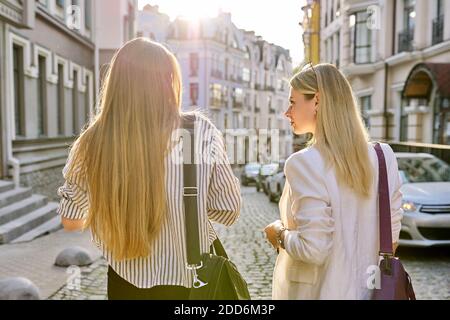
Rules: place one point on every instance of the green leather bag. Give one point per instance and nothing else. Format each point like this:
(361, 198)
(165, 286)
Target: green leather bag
(215, 276)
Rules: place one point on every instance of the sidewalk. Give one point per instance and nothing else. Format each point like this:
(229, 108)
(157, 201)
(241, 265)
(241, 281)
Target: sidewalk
(35, 260)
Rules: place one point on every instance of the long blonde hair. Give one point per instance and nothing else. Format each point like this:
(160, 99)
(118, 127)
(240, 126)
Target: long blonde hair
(123, 149)
(341, 136)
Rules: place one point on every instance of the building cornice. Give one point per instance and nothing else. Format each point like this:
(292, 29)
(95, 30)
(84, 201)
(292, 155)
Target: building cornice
(362, 69)
(61, 26)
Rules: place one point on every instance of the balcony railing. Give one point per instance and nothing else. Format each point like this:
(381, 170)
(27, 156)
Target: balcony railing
(258, 86)
(216, 102)
(257, 110)
(405, 40)
(237, 104)
(438, 30)
(269, 88)
(272, 110)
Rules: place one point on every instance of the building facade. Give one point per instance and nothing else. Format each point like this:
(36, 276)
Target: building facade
(396, 54)
(47, 70)
(311, 31)
(237, 78)
(50, 54)
(116, 23)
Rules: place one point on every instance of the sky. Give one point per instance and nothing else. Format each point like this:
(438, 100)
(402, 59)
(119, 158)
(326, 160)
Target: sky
(276, 21)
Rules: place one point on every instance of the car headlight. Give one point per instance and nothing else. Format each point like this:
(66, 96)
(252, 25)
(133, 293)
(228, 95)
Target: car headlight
(409, 206)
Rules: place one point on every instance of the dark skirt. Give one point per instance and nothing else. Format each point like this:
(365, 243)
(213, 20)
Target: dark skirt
(120, 289)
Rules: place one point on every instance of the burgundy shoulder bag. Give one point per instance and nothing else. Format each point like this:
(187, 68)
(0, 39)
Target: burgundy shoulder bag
(395, 281)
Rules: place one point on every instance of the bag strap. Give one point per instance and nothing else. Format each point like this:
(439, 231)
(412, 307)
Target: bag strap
(384, 205)
(190, 194)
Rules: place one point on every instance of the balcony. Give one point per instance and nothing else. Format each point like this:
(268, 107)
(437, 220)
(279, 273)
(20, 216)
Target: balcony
(258, 86)
(405, 40)
(438, 30)
(237, 104)
(257, 110)
(272, 110)
(218, 103)
(269, 88)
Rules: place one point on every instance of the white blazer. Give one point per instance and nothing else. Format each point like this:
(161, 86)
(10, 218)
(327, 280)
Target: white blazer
(333, 235)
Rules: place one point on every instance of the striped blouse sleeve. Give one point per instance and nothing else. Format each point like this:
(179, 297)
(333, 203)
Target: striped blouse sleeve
(74, 202)
(224, 195)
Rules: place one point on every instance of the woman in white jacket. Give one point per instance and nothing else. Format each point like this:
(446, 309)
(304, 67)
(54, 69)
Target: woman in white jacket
(327, 236)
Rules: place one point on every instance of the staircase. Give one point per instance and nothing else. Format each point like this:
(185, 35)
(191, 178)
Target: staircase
(25, 216)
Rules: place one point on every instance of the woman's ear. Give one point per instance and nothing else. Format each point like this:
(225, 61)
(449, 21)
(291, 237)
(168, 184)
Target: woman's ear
(317, 98)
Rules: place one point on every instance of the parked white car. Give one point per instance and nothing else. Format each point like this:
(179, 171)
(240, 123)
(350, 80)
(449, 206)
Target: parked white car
(276, 186)
(426, 200)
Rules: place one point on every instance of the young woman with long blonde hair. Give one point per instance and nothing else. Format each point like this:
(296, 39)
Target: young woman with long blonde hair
(327, 236)
(124, 183)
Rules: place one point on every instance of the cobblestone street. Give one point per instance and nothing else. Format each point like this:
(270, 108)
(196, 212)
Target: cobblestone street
(247, 247)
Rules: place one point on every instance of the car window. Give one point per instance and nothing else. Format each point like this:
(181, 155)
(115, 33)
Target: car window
(423, 170)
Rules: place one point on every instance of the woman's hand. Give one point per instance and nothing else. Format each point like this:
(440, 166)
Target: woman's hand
(271, 233)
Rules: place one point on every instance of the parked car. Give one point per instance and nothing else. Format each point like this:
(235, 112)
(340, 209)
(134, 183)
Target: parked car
(250, 173)
(276, 186)
(264, 172)
(426, 200)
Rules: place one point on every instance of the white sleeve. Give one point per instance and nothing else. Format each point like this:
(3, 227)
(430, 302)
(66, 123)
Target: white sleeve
(311, 241)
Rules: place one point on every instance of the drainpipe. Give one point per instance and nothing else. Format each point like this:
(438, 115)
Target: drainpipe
(386, 73)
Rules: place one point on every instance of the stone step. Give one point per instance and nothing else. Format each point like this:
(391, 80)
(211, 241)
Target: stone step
(6, 186)
(14, 195)
(50, 226)
(24, 224)
(20, 208)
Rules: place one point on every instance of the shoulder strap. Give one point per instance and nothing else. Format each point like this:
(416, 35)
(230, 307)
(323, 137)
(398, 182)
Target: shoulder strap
(384, 205)
(190, 194)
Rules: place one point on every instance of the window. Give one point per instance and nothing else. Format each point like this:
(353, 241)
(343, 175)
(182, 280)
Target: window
(217, 93)
(75, 104)
(60, 100)
(87, 14)
(18, 90)
(236, 124)
(60, 3)
(280, 85)
(332, 11)
(193, 58)
(366, 105)
(87, 102)
(238, 97)
(42, 97)
(338, 49)
(246, 74)
(406, 36)
(438, 24)
(440, 8)
(409, 14)
(194, 93)
(362, 39)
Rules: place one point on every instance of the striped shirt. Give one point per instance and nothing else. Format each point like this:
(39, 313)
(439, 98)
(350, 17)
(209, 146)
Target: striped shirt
(219, 201)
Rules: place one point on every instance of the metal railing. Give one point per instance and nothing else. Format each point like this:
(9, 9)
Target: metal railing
(438, 150)
(405, 40)
(438, 30)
